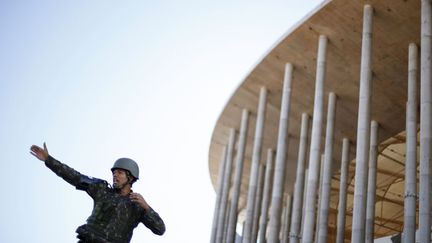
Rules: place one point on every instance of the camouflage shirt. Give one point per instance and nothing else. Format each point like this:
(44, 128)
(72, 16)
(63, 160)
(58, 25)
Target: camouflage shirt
(114, 216)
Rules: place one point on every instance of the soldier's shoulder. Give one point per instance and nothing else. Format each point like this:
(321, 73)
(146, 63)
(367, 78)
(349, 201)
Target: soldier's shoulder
(101, 183)
(87, 182)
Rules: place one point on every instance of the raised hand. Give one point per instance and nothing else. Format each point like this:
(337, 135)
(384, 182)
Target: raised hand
(38, 152)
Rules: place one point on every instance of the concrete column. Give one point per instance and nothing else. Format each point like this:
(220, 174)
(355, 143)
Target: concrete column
(425, 123)
(320, 175)
(218, 194)
(283, 223)
(279, 176)
(256, 156)
(371, 191)
(296, 218)
(363, 130)
(327, 171)
(340, 234)
(314, 156)
(411, 148)
(225, 226)
(266, 197)
(287, 220)
(225, 189)
(232, 222)
(258, 200)
(304, 200)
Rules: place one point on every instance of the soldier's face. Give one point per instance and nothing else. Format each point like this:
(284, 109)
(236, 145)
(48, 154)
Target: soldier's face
(119, 178)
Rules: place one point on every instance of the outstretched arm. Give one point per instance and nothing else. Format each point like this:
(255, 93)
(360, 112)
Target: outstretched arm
(81, 182)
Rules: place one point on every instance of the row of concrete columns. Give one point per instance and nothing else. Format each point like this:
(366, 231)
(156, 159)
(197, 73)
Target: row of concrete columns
(266, 190)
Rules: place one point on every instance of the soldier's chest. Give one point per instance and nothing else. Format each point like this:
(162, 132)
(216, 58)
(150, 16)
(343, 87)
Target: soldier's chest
(112, 206)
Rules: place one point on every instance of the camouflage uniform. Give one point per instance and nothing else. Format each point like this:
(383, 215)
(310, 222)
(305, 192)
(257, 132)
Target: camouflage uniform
(114, 216)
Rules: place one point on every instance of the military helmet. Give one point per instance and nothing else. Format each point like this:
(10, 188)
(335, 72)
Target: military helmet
(127, 164)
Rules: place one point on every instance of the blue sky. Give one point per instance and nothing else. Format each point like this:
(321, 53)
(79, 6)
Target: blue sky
(99, 80)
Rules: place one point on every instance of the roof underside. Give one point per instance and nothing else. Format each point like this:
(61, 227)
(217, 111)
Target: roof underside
(396, 24)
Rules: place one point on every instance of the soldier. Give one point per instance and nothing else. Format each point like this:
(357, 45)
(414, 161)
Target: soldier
(117, 210)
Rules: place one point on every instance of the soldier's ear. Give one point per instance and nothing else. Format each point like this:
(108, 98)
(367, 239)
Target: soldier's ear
(131, 179)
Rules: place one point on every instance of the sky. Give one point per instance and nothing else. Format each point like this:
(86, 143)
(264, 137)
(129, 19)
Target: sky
(99, 80)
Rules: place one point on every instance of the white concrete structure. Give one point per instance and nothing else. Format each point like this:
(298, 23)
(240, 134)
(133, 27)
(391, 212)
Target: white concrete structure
(369, 86)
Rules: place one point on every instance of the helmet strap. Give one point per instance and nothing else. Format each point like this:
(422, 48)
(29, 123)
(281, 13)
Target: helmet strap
(131, 179)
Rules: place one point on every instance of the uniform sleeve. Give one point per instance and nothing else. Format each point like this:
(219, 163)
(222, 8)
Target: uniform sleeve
(73, 177)
(152, 221)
